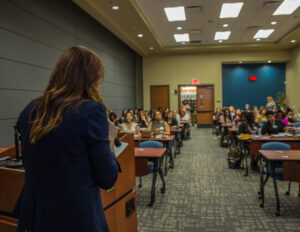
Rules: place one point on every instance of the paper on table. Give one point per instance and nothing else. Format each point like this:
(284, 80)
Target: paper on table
(120, 149)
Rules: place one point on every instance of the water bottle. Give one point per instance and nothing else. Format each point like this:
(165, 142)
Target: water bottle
(233, 124)
(259, 131)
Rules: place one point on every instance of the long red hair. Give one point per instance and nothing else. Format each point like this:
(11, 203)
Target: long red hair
(75, 79)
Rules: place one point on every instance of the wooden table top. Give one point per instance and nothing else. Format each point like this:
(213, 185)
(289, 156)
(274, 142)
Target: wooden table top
(149, 152)
(275, 139)
(286, 155)
(169, 138)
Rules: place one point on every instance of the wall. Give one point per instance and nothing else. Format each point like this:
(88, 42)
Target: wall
(238, 90)
(293, 80)
(33, 34)
(182, 68)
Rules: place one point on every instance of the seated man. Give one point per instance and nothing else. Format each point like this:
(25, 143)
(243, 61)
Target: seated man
(273, 126)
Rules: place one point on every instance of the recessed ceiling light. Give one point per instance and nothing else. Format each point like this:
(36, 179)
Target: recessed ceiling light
(269, 61)
(222, 35)
(231, 10)
(293, 41)
(140, 35)
(175, 13)
(182, 37)
(115, 7)
(274, 22)
(225, 25)
(240, 62)
(220, 41)
(258, 39)
(151, 48)
(179, 28)
(287, 7)
(263, 33)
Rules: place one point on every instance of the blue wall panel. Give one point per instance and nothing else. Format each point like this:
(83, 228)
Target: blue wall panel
(238, 90)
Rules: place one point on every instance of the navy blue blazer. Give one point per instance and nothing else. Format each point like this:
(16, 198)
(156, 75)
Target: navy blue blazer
(64, 171)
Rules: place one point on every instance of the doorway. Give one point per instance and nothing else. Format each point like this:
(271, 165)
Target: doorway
(159, 96)
(205, 105)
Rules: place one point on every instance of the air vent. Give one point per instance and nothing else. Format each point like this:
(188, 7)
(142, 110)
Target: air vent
(195, 41)
(195, 31)
(193, 9)
(253, 28)
(270, 4)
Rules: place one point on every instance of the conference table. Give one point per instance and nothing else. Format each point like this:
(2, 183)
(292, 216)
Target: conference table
(142, 155)
(166, 140)
(291, 170)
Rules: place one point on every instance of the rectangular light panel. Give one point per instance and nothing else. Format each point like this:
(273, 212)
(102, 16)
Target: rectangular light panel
(287, 7)
(231, 10)
(222, 35)
(182, 37)
(175, 13)
(262, 34)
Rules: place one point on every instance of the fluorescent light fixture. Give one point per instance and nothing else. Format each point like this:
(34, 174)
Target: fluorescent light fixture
(175, 13)
(287, 7)
(222, 35)
(258, 39)
(225, 25)
(274, 22)
(269, 61)
(220, 41)
(182, 37)
(115, 7)
(231, 10)
(140, 35)
(151, 48)
(179, 28)
(293, 41)
(263, 33)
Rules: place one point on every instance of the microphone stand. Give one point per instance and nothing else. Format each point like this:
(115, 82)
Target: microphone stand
(16, 161)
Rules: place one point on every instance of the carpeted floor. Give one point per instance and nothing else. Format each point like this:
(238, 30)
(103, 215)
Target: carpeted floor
(203, 194)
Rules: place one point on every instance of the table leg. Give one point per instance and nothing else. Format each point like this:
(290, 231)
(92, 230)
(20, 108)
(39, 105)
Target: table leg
(154, 182)
(166, 163)
(276, 191)
(170, 154)
(163, 189)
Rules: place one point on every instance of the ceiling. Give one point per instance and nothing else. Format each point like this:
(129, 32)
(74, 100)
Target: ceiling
(147, 17)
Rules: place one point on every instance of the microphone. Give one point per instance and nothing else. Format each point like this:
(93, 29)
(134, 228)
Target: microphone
(117, 142)
(16, 161)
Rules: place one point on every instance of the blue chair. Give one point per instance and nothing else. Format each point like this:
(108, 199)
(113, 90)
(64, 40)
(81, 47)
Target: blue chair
(273, 170)
(297, 124)
(150, 144)
(297, 132)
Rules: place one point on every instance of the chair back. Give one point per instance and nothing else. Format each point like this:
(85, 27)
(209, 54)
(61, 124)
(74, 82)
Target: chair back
(151, 144)
(297, 132)
(275, 146)
(297, 124)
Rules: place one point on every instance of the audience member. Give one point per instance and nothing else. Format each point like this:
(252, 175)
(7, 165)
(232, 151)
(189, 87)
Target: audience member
(273, 126)
(271, 105)
(130, 126)
(158, 125)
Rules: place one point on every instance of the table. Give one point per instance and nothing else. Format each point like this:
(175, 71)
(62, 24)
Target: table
(166, 142)
(156, 154)
(290, 160)
(257, 141)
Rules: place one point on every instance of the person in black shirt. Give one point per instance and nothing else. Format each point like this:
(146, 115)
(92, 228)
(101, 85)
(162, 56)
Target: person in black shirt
(171, 120)
(273, 126)
(114, 119)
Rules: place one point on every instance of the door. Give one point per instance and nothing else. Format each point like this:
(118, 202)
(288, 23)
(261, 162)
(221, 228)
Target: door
(205, 105)
(159, 96)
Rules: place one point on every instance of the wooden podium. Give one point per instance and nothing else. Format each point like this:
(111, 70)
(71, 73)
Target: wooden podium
(119, 203)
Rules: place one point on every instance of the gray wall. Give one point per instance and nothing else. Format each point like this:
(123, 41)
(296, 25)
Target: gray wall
(33, 34)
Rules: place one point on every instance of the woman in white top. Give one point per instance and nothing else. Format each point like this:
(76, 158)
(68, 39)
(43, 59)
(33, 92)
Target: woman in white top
(185, 107)
(130, 126)
(271, 104)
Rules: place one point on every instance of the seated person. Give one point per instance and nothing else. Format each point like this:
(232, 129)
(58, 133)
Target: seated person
(237, 116)
(158, 126)
(280, 116)
(176, 116)
(225, 119)
(142, 121)
(248, 126)
(172, 122)
(243, 118)
(130, 126)
(273, 126)
(290, 116)
(114, 119)
(262, 116)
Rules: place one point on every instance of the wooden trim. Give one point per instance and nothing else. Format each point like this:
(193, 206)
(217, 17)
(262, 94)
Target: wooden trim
(199, 85)
(160, 86)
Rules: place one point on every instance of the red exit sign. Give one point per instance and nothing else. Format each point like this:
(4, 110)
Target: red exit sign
(253, 78)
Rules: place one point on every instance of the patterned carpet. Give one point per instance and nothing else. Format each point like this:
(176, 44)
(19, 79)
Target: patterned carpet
(204, 195)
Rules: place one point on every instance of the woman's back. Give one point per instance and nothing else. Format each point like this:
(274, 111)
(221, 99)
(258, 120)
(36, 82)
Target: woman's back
(64, 170)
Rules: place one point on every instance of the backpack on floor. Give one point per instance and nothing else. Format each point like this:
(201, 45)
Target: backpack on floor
(234, 156)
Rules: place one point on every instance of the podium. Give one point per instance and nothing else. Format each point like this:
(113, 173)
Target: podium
(119, 202)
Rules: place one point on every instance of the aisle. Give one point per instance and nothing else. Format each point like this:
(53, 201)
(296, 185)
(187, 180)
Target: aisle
(203, 194)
